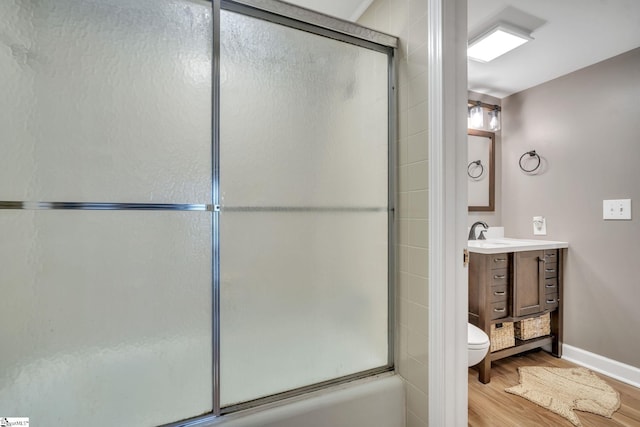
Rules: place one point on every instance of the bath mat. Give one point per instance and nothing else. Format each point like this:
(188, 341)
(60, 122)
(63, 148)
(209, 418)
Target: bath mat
(561, 390)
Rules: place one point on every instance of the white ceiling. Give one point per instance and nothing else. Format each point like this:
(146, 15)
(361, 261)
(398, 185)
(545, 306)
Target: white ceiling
(568, 35)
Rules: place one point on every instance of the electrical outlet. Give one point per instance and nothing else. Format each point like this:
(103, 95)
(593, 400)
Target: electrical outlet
(539, 226)
(619, 209)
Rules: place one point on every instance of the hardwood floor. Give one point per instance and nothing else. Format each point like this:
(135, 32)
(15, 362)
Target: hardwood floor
(491, 406)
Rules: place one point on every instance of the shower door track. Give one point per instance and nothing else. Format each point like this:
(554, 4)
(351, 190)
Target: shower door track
(313, 22)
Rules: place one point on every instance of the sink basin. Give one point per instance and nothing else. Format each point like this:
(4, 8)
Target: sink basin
(493, 246)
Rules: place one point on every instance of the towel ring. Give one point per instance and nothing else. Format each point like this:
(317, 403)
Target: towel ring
(478, 163)
(531, 153)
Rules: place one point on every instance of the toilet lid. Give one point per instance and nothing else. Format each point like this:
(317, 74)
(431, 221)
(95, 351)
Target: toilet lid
(476, 336)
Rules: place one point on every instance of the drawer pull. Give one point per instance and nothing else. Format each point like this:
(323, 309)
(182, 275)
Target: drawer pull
(499, 259)
(549, 270)
(550, 255)
(500, 310)
(499, 276)
(550, 285)
(550, 301)
(499, 293)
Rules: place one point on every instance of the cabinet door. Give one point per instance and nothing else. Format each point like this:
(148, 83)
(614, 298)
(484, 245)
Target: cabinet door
(528, 283)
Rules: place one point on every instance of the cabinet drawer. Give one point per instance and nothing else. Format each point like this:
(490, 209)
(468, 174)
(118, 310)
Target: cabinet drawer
(499, 276)
(551, 255)
(551, 286)
(550, 270)
(551, 301)
(499, 310)
(498, 293)
(499, 261)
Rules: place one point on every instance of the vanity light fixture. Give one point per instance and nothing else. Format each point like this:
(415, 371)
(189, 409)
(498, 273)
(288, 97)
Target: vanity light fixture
(494, 119)
(476, 111)
(495, 42)
(476, 116)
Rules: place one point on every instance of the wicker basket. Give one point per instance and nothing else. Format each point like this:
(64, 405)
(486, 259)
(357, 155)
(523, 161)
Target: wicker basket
(502, 336)
(534, 327)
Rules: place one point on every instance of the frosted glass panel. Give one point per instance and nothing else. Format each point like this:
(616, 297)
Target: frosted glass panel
(304, 299)
(106, 100)
(104, 316)
(304, 118)
(304, 257)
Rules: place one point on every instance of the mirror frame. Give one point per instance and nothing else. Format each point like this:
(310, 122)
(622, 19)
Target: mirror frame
(492, 180)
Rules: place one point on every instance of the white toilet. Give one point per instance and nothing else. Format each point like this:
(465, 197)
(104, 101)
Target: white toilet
(477, 344)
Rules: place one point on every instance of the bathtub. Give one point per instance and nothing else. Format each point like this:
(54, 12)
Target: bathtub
(375, 402)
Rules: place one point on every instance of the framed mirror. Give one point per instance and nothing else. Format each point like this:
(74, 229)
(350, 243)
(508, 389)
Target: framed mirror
(481, 170)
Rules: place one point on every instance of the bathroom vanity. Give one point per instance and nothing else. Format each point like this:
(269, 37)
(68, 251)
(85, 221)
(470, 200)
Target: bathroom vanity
(512, 280)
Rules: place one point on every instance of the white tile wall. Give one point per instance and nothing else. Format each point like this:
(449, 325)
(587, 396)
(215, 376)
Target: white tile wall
(407, 19)
(417, 116)
(417, 147)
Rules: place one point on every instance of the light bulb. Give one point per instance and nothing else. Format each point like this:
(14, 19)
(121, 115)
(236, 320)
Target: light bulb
(476, 115)
(494, 120)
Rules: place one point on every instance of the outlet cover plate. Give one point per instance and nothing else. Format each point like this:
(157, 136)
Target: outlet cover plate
(539, 226)
(619, 209)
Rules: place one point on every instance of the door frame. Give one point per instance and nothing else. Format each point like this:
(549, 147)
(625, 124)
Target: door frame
(448, 277)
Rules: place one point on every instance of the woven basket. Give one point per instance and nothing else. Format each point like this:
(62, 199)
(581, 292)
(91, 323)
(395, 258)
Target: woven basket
(534, 327)
(502, 336)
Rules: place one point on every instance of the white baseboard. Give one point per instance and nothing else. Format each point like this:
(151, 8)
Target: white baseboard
(609, 367)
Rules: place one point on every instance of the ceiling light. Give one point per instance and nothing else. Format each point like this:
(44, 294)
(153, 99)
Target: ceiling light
(499, 40)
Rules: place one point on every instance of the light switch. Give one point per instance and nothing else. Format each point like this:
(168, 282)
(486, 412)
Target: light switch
(619, 209)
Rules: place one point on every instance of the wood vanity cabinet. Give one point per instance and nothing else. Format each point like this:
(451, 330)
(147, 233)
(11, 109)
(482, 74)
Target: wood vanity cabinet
(535, 282)
(513, 286)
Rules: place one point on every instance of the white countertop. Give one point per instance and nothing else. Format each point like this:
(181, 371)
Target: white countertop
(504, 244)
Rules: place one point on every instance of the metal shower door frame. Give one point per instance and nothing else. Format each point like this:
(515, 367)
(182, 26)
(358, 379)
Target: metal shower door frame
(326, 26)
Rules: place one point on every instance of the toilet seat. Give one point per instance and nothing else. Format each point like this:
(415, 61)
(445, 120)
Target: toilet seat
(477, 344)
(476, 338)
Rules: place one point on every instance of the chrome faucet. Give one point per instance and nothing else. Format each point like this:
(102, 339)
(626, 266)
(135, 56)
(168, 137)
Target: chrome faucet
(472, 232)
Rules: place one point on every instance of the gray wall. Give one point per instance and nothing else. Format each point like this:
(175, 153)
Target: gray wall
(586, 126)
(493, 219)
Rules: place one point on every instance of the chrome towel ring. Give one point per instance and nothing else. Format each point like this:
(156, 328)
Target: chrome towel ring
(531, 153)
(470, 168)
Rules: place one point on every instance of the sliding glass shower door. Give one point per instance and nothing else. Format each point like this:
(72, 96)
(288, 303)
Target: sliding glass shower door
(105, 230)
(155, 268)
(304, 232)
